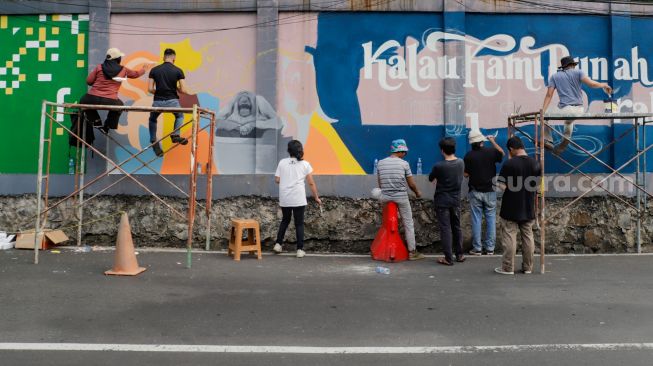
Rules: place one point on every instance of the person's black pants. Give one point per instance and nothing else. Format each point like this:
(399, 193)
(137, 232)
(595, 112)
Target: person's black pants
(450, 232)
(298, 214)
(92, 115)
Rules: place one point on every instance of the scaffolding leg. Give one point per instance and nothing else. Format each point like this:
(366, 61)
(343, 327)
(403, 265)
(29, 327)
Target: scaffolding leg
(193, 183)
(645, 198)
(209, 182)
(638, 182)
(39, 183)
(542, 194)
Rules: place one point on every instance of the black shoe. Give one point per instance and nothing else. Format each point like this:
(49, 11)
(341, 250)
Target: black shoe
(157, 149)
(97, 123)
(104, 129)
(180, 140)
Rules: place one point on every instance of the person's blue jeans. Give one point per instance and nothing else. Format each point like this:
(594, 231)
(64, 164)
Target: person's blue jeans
(483, 204)
(170, 103)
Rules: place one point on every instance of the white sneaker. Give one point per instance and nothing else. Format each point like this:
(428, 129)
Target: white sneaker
(277, 248)
(300, 253)
(500, 270)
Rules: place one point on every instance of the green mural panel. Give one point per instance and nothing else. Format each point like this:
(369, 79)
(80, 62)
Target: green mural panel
(41, 58)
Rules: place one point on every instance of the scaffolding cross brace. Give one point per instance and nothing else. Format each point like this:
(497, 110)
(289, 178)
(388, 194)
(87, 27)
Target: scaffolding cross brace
(43, 180)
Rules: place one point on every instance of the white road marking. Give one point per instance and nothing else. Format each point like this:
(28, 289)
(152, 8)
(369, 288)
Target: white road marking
(348, 255)
(182, 348)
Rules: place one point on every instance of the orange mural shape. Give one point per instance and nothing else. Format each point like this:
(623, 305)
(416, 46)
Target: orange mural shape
(320, 154)
(135, 89)
(177, 160)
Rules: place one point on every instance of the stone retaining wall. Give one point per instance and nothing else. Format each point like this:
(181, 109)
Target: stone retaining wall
(593, 225)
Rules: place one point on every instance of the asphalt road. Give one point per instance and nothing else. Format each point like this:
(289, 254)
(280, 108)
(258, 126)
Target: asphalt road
(322, 304)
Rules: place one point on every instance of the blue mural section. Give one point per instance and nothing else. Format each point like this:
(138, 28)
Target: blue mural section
(339, 58)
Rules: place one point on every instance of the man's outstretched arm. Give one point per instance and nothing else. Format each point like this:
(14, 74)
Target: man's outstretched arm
(595, 84)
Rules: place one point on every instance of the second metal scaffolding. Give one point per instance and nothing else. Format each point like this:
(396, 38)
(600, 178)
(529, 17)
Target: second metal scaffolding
(540, 121)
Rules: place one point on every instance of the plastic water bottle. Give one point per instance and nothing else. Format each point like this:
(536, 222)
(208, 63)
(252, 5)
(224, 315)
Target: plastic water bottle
(71, 166)
(382, 270)
(376, 166)
(419, 166)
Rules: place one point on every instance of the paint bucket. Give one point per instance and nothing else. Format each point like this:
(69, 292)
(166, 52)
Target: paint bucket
(609, 105)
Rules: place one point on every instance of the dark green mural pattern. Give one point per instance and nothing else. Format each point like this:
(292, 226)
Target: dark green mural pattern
(42, 57)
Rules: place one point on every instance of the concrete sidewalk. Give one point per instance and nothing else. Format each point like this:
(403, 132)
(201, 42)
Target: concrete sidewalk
(325, 301)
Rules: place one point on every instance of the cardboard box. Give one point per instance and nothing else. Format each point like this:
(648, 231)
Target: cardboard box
(25, 240)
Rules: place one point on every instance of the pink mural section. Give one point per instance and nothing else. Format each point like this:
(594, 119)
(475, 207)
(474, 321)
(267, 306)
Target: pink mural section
(218, 64)
(498, 86)
(389, 94)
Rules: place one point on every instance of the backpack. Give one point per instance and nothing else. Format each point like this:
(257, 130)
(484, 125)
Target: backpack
(84, 130)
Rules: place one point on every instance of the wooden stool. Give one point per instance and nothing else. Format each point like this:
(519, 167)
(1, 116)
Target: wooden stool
(253, 242)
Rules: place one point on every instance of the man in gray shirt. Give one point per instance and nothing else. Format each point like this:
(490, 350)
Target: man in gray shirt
(567, 81)
(394, 177)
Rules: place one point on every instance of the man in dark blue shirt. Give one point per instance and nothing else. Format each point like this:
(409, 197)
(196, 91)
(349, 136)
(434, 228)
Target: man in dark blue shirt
(448, 176)
(519, 177)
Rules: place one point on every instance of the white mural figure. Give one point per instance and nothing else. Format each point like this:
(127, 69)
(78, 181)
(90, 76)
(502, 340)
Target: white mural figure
(248, 132)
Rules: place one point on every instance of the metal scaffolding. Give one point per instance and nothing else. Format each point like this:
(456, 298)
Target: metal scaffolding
(49, 112)
(539, 121)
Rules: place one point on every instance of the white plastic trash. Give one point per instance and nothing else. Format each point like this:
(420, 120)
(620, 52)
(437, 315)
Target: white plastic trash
(6, 241)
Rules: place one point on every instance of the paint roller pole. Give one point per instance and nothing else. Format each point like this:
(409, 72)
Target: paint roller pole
(82, 166)
(39, 183)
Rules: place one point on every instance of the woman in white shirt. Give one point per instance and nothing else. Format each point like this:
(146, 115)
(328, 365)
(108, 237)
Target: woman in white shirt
(290, 176)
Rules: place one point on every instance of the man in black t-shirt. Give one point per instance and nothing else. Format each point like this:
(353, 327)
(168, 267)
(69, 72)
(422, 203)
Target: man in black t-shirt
(448, 176)
(164, 82)
(519, 177)
(480, 167)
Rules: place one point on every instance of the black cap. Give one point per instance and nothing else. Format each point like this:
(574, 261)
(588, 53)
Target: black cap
(566, 61)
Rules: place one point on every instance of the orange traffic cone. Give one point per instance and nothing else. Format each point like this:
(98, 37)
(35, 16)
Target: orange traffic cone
(125, 263)
(387, 245)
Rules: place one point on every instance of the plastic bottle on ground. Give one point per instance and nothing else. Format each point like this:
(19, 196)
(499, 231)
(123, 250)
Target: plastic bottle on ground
(376, 164)
(382, 270)
(419, 166)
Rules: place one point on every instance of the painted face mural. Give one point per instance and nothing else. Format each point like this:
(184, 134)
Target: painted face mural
(349, 83)
(247, 115)
(248, 134)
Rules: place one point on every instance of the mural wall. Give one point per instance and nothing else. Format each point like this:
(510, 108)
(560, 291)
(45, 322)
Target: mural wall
(41, 57)
(348, 83)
